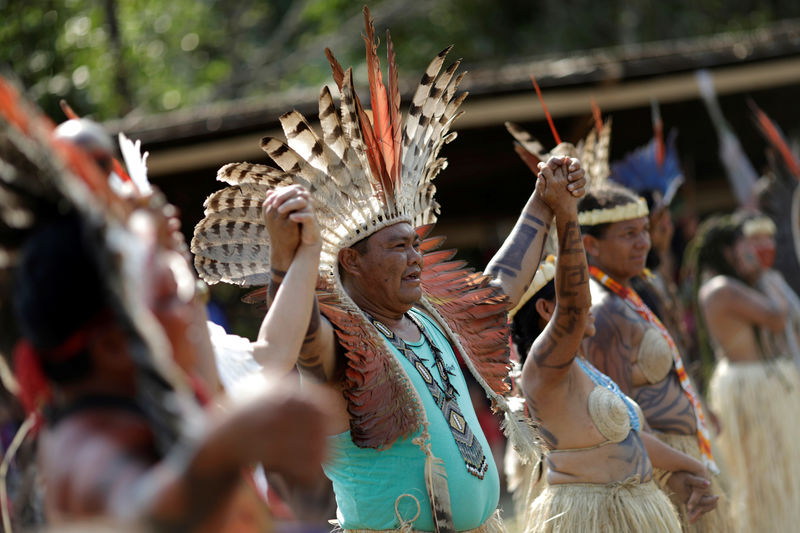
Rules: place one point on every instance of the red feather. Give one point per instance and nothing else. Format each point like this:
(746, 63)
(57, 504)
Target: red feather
(119, 170)
(546, 112)
(376, 163)
(531, 160)
(380, 405)
(377, 91)
(443, 267)
(382, 135)
(12, 109)
(431, 244)
(773, 135)
(598, 118)
(34, 388)
(338, 72)
(475, 310)
(424, 230)
(68, 111)
(394, 108)
(374, 156)
(658, 135)
(437, 257)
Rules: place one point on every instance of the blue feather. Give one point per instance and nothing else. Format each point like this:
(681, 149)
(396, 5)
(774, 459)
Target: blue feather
(640, 172)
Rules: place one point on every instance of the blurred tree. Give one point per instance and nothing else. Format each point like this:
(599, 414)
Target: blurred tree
(109, 58)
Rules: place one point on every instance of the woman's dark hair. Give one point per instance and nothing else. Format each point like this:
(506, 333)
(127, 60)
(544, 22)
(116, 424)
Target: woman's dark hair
(706, 252)
(57, 290)
(525, 326)
(606, 196)
(718, 235)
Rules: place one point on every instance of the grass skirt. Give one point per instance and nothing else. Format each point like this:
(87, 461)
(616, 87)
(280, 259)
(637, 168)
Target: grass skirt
(757, 405)
(716, 521)
(524, 481)
(627, 507)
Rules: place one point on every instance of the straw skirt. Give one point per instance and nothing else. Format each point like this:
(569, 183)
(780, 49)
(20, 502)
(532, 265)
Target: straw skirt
(627, 507)
(757, 405)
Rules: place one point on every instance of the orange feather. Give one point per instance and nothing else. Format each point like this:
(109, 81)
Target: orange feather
(67, 110)
(531, 160)
(336, 67)
(598, 118)
(394, 108)
(546, 112)
(773, 135)
(381, 119)
(658, 134)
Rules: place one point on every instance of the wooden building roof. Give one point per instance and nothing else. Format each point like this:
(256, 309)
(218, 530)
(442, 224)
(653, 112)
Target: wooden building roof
(485, 185)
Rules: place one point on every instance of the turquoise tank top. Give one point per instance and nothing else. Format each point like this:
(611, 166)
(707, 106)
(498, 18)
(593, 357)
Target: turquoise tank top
(368, 482)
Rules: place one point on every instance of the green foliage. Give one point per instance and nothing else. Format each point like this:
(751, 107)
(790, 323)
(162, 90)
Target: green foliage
(113, 57)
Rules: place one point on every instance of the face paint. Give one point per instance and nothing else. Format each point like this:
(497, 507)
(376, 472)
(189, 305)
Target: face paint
(766, 256)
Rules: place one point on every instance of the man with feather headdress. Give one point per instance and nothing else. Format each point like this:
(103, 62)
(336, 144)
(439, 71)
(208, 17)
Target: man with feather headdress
(394, 314)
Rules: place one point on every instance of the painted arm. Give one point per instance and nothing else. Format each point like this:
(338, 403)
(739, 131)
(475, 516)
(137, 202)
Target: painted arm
(514, 265)
(553, 351)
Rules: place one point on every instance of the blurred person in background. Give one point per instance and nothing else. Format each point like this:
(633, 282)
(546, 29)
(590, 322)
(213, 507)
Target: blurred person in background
(631, 345)
(754, 390)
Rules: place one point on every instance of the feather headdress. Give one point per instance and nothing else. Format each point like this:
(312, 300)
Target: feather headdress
(652, 167)
(594, 155)
(363, 175)
(593, 151)
(779, 196)
(43, 178)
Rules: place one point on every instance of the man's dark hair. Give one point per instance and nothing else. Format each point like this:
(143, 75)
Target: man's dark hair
(525, 326)
(607, 196)
(361, 246)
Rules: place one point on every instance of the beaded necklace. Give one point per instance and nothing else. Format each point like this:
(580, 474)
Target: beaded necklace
(444, 395)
